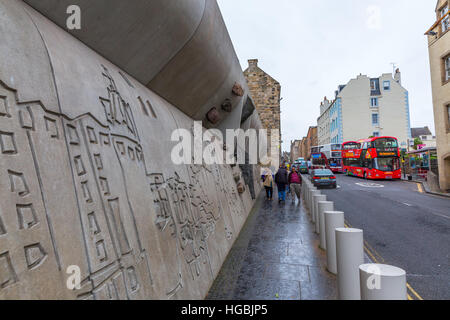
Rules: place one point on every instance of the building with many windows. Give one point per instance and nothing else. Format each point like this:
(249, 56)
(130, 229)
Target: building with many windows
(323, 122)
(367, 107)
(439, 51)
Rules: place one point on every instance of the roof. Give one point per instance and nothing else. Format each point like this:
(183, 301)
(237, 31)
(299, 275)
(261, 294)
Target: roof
(417, 132)
(427, 149)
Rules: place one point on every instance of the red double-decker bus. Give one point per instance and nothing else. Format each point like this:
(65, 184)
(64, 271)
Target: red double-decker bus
(318, 158)
(373, 158)
(350, 156)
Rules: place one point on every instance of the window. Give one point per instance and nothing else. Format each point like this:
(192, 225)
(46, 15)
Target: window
(374, 84)
(375, 118)
(448, 116)
(387, 85)
(376, 134)
(445, 24)
(374, 102)
(447, 68)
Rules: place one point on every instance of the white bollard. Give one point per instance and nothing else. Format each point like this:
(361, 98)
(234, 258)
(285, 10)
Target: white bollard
(322, 207)
(349, 256)
(333, 220)
(382, 282)
(310, 190)
(316, 200)
(306, 195)
(311, 210)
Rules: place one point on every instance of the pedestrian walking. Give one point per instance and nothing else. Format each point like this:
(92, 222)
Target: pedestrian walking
(268, 185)
(295, 183)
(281, 179)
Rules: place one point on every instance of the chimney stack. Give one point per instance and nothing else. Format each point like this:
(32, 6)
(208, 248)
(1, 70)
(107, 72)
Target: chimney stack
(253, 63)
(398, 76)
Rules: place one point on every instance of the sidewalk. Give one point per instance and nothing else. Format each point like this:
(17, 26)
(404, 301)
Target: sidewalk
(276, 257)
(426, 187)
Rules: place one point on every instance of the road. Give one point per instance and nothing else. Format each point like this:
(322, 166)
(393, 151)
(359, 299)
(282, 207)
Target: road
(403, 227)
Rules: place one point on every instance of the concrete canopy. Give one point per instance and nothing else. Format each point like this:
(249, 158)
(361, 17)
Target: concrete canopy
(179, 49)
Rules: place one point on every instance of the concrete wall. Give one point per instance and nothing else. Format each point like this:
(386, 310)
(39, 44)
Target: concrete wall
(154, 40)
(86, 177)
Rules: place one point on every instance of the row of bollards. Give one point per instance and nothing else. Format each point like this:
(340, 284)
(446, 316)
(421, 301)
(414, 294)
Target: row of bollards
(345, 253)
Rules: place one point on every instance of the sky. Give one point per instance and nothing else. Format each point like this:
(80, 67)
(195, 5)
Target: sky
(311, 47)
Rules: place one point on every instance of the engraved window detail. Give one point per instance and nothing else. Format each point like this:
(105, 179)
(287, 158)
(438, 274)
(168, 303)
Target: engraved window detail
(93, 224)
(147, 108)
(18, 183)
(114, 214)
(2, 226)
(144, 108)
(139, 154)
(86, 192)
(131, 153)
(52, 127)
(4, 110)
(132, 279)
(7, 274)
(121, 147)
(26, 216)
(104, 138)
(7, 143)
(79, 166)
(74, 138)
(150, 107)
(35, 255)
(101, 250)
(91, 135)
(104, 186)
(26, 119)
(98, 161)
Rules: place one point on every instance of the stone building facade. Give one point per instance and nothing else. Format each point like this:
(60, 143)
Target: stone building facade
(296, 149)
(266, 94)
(439, 51)
(311, 140)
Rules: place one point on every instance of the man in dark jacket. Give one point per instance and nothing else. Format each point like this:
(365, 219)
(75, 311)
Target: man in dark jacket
(281, 179)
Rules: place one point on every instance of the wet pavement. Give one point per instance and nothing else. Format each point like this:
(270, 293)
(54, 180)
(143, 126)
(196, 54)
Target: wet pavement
(276, 257)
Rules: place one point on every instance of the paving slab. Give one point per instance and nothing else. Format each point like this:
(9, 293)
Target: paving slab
(276, 257)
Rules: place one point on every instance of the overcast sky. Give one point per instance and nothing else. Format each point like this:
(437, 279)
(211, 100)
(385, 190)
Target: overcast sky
(311, 47)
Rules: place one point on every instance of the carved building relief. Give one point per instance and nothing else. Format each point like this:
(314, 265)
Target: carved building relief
(100, 171)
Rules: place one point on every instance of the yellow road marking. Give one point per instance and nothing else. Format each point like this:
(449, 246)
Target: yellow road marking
(413, 291)
(372, 256)
(420, 188)
(374, 251)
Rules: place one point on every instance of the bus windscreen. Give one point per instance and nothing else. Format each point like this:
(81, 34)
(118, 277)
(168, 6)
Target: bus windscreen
(385, 143)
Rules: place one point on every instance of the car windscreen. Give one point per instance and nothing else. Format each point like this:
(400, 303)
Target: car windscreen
(324, 172)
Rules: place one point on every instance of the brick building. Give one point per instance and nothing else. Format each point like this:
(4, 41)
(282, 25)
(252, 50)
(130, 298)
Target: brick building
(266, 94)
(311, 140)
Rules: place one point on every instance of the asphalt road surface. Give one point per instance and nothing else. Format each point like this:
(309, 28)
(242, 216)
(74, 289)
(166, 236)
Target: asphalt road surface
(403, 227)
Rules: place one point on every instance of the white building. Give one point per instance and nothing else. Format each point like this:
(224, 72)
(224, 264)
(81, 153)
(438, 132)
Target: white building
(368, 107)
(425, 135)
(323, 123)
